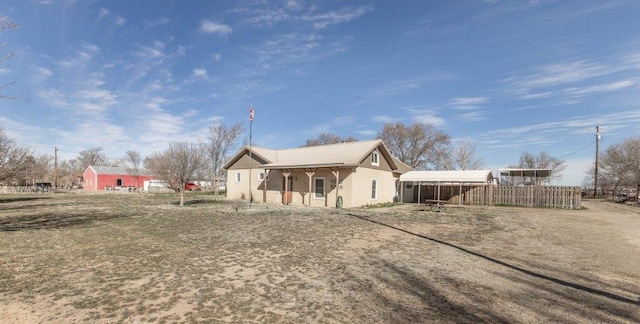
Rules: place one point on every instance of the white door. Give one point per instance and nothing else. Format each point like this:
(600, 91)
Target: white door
(407, 192)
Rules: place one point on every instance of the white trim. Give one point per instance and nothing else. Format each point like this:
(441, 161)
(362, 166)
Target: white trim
(324, 184)
(374, 190)
(375, 158)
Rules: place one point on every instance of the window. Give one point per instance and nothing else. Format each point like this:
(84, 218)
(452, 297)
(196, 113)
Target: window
(318, 188)
(238, 177)
(261, 176)
(374, 189)
(375, 159)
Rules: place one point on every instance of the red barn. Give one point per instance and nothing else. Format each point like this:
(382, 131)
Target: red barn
(102, 177)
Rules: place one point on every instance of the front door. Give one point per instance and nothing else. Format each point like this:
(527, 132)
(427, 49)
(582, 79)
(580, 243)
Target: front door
(287, 196)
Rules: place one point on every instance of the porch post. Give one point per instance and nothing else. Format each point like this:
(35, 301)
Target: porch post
(264, 188)
(336, 173)
(285, 196)
(310, 173)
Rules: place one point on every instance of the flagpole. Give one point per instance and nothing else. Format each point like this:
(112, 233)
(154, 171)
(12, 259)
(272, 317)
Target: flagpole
(251, 115)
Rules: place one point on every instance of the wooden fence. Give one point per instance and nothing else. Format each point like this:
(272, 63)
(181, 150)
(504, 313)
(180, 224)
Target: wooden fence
(528, 196)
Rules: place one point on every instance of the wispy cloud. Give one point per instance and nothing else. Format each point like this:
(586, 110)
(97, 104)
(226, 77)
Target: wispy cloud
(426, 116)
(322, 20)
(473, 116)
(103, 12)
(560, 74)
(158, 22)
(295, 13)
(333, 124)
(120, 21)
(468, 101)
(600, 88)
(201, 73)
(212, 27)
(383, 119)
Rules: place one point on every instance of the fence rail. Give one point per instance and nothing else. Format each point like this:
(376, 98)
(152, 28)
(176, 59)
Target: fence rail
(527, 196)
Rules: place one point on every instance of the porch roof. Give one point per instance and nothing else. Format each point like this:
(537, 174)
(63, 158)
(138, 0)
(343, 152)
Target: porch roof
(452, 176)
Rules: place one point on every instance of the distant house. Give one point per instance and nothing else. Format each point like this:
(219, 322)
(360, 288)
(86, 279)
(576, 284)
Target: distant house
(354, 173)
(103, 177)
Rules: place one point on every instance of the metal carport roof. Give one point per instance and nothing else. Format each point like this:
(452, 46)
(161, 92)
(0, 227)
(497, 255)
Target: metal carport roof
(450, 176)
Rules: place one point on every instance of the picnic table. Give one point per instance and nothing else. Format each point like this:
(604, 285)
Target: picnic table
(439, 204)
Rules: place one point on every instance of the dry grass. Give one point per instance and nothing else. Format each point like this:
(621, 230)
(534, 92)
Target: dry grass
(141, 258)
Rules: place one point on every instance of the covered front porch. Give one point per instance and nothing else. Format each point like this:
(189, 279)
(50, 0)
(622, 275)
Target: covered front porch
(312, 186)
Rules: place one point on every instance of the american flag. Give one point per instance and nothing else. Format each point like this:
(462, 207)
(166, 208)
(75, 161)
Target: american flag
(252, 114)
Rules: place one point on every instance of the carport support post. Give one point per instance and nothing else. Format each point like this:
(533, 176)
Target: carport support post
(419, 185)
(310, 174)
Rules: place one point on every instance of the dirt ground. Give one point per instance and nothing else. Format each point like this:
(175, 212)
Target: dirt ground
(140, 258)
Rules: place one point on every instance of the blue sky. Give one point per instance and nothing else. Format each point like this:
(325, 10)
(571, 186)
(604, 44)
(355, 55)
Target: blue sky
(512, 76)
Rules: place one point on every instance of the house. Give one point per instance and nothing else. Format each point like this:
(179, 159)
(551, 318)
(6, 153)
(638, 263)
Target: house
(103, 177)
(349, 174)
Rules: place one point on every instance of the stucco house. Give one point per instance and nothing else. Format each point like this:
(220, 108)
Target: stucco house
(356, 173)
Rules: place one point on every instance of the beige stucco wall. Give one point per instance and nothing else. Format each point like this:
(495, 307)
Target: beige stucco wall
(361, 187)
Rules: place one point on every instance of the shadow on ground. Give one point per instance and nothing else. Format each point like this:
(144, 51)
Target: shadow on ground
(20, 199)
(55, 220)
(572, 294)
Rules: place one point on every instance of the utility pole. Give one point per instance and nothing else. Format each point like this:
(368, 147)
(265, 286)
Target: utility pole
(595, 179)
(595, 170)
(55, 167)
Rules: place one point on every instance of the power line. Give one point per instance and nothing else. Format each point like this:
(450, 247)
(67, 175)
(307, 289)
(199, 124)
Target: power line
(581, 149)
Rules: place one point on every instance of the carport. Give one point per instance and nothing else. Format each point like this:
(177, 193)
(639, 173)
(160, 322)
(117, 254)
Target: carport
(437, 178)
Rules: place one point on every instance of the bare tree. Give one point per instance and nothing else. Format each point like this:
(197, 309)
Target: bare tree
(43, 167)
(13, 158)
(420, 146)
(68, 172)
(463, 156)
(620, 164)
(326, 138)
(542, 161)
(222, 139)
(6, 24)
(177, 166)
(92, 156)
(132, 162)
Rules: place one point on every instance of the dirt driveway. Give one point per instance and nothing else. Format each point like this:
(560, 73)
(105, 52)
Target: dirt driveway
(141, 258)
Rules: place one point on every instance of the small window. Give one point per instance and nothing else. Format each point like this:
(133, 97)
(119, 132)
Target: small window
(238, 177)
(318, 188)
(375, 160)
(261, 176)
(374, 189)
